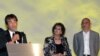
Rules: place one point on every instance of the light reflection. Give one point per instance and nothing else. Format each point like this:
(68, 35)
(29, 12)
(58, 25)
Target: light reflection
(36, 49)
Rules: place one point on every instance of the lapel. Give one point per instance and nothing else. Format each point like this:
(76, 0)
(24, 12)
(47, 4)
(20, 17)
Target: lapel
(8, 37)
(81, 40)
(90, 39)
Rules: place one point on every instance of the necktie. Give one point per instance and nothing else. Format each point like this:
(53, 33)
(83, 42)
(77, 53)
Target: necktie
(13, 35)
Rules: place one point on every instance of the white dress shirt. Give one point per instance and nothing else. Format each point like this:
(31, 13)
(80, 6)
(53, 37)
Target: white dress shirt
(86, 36)
(11, 33)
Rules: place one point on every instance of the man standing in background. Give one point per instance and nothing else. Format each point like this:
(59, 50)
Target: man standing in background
(86, 42)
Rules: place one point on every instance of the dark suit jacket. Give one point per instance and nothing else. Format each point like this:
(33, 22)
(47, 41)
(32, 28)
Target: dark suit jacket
(21, 34)
(2, 32)
(2, 43)
(6, 38)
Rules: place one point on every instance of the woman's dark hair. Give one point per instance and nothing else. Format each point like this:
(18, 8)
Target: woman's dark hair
(10, 16)
(62, 28)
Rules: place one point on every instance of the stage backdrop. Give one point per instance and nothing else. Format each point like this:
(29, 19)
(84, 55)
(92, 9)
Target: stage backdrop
(36, 17)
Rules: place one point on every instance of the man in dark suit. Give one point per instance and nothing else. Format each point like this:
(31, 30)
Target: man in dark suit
(11, 35)
(1, 38)
(2, 43)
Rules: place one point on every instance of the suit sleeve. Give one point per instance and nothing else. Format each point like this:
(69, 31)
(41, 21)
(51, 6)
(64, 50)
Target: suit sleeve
(97, 44)
(75, 44)
(2, 38)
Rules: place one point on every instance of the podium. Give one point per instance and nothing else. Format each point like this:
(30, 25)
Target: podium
(20, 49)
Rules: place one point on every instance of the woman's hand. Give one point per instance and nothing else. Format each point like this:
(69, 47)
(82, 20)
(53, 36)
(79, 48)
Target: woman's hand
(59, 54)
(54, 54)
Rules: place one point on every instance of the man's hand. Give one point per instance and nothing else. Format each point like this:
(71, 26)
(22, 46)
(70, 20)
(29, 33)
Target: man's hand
(11, 42)
(15, 37)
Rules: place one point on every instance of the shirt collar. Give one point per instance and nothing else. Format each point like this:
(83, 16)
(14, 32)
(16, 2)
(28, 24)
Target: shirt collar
(11, 32)
(86, 32)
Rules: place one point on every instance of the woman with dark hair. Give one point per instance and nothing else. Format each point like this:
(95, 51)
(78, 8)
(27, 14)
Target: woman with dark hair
(57, 44)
